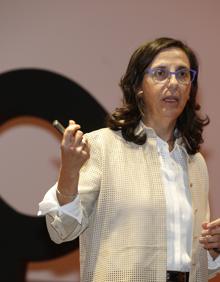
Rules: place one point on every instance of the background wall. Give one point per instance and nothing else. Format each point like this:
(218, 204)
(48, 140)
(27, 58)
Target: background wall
(90, 42)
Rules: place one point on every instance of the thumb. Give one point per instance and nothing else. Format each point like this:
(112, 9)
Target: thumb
(71, 122)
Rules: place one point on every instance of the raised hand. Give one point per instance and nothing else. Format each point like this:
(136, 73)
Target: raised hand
(74, 153)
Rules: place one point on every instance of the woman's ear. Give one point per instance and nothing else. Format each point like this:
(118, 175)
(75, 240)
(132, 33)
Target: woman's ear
(140, 92)
(140, 101)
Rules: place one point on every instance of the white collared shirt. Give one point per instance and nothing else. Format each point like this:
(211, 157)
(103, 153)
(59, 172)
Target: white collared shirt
(178, 202)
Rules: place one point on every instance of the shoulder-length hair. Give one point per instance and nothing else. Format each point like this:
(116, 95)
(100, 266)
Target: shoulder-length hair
(126, 118)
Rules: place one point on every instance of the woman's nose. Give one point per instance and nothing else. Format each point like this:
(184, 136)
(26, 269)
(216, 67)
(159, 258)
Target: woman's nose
(172, 79)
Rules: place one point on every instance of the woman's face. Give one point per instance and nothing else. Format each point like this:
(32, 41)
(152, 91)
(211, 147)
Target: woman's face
(165, 100)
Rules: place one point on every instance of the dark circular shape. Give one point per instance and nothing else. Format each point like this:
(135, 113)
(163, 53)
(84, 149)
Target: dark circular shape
(49, 96)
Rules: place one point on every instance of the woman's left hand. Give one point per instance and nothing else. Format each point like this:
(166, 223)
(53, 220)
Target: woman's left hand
(210, 237)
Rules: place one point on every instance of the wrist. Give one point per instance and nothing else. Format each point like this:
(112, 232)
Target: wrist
(66, 196)
(214, 253)
(69, 174)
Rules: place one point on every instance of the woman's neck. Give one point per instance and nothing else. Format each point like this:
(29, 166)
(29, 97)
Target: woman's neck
(163, 129)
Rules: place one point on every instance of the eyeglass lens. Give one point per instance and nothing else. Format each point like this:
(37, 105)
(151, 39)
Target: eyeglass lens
(183, 76)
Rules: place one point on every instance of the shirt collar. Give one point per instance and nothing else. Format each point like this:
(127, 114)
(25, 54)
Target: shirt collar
(152, 135)
(143, 128)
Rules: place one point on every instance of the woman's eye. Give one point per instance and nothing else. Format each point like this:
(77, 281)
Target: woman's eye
(160, 74)
(183, 74)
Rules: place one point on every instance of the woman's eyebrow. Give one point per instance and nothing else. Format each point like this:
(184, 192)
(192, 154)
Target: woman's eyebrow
(160, 66)
(182, 67)
(166, 66)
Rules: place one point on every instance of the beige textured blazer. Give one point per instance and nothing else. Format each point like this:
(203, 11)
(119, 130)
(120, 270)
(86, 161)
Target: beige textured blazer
(123, 230)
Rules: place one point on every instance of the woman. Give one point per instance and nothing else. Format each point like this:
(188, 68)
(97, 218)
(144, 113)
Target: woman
(137, 192)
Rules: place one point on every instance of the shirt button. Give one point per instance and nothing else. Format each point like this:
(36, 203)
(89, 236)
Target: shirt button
(191, 185)
(195, 210)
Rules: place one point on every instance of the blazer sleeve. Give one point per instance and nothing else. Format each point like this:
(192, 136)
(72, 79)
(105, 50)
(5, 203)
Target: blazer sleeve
(62, 227)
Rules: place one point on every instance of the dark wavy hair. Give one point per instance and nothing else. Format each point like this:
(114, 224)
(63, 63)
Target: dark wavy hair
(126, 118)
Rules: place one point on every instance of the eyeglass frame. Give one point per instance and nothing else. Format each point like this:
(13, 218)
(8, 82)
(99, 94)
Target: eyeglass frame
(151, 70)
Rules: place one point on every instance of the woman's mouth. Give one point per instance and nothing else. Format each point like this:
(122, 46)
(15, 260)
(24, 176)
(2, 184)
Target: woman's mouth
(170, 99)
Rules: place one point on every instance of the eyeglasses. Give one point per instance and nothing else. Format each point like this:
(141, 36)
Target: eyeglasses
(162, 75)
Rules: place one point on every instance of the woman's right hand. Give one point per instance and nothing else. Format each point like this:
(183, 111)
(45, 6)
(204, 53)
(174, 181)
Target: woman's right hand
(74, 153)
(74, 149)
